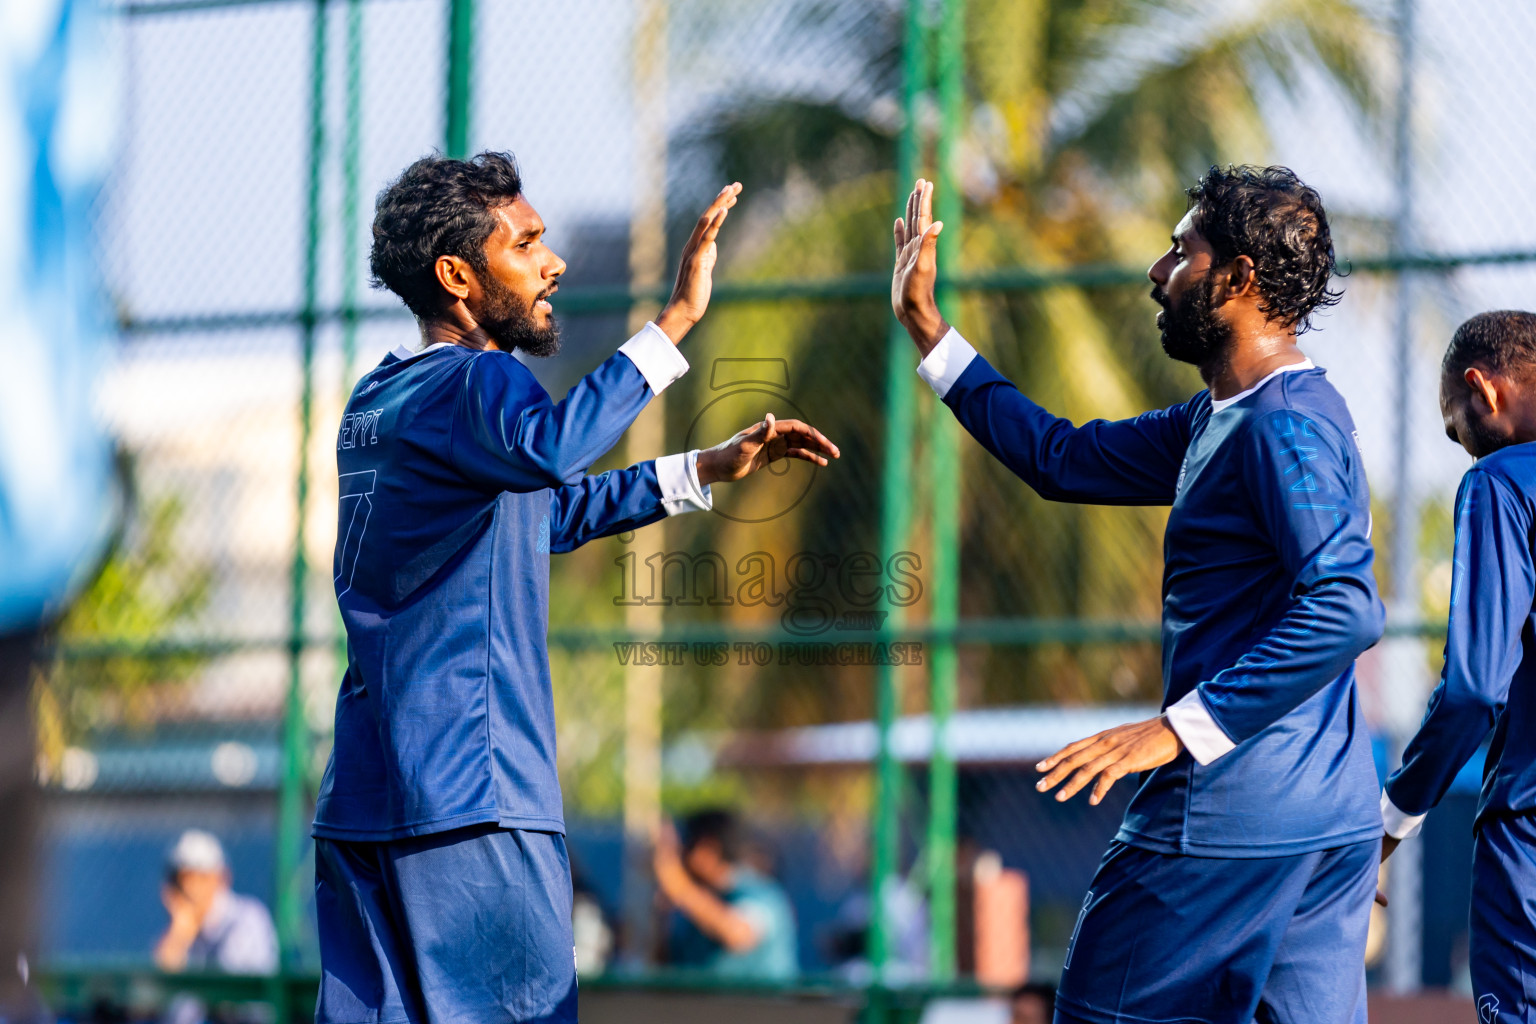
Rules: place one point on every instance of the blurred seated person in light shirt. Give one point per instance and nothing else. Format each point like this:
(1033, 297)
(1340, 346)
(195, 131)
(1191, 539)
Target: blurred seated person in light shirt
(212, 927)
(736, 921)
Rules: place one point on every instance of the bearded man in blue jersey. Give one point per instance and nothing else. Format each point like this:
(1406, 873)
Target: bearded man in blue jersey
(1488, 401)
(443, 889)
(1239, 886)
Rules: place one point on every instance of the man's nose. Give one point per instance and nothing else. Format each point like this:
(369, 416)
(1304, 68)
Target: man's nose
(1157, 274)
(557, 269)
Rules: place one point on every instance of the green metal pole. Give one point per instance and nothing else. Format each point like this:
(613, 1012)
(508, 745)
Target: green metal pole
(895, 522)
(944, 477)
(291, 797)
(351, 160)
(461, 51)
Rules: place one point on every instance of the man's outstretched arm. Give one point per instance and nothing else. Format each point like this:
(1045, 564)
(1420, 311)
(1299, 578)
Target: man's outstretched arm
(507, 432)
(1127, 462)
(626, 499)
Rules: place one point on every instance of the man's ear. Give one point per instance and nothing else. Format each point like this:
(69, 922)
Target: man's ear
(1239, 279)
(1485, 389)
(454, 275)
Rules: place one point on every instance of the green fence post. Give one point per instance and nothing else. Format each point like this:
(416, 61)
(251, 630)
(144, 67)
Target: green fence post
(895, 521)
(461, 51)
(291, 797)
(351, 160)
(944, 482)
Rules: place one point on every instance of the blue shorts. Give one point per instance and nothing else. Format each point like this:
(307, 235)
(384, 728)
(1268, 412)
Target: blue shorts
(1167, 939)
(471, 926)
(1502, 943)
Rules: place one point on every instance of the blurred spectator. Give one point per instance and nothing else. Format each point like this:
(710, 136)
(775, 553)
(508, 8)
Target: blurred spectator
(212, 927)
(56, 83)
(737, 922)
(1032, 1004)
(992, 904)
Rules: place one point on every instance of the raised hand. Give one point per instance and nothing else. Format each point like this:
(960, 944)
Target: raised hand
(761, 444)
(695, 273)
(917, 269)
(1108, 757)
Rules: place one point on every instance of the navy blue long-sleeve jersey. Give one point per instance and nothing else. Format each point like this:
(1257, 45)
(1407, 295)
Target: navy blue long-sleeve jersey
(459, 477)
(1489, 680)
(1268, 594)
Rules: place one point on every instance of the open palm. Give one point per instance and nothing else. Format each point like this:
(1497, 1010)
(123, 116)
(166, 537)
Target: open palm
(917, 269)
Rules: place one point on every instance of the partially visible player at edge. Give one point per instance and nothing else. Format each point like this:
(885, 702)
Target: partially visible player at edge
(1239, 885)
(443, 889)
(1488, 401)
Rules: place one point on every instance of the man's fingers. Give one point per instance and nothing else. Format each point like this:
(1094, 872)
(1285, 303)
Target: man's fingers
(723, 201)
(808, 456)
(802, 434)
(1085, 774)
(805, 442)
(925, 211)
(1107, 778)
(713, 229)
(1071, 763)
(1067, 751)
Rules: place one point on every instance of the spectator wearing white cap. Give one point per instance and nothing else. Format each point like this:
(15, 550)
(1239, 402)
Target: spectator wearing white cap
(212, 927)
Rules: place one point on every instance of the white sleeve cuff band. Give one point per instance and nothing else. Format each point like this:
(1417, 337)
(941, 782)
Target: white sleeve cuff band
(678, 476)
(1398, 823)
(948, 360)
(654, 355)
(1197, 730)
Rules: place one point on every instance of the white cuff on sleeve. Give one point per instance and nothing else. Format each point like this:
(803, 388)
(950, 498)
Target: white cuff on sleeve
(654, 355)
(1398, 823)
(1197, 730)
(678, 476)
(942, 366)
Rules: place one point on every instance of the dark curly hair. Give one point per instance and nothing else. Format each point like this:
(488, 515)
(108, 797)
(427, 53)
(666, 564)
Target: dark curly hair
(1502, 341)
(437, 207)
(1271, 216)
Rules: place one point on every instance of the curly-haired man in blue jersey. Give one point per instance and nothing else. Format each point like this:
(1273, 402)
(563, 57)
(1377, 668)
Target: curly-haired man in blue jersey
(443, 889)
(1239, 886)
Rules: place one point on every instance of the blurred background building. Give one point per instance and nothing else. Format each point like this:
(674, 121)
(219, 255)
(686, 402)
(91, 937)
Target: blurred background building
(193, 685)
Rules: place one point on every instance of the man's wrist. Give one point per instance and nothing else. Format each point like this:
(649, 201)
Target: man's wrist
(675, 323)
(705, 467)
(1177, 739)
(927, 330)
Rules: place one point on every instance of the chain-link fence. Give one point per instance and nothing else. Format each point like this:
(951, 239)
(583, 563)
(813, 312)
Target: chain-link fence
(789, 655)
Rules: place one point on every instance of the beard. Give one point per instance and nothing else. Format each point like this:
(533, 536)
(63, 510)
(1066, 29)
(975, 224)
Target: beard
(1481, 441)
(511, 325)
(1192, 332)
